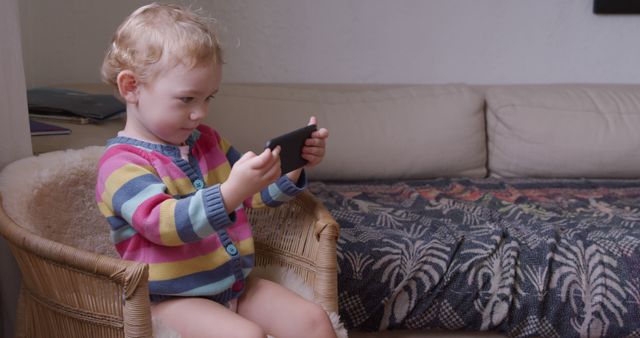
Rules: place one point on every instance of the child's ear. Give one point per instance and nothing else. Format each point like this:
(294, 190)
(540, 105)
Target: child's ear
(128, 85)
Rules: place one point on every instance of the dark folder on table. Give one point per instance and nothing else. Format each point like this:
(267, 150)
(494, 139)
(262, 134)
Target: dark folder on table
(74, 105)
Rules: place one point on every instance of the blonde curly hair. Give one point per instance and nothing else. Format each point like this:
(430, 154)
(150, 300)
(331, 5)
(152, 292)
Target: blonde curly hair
(159, 36)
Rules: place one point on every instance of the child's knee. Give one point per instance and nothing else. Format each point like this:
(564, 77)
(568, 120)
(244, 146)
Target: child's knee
(316, 318)
(251, 330)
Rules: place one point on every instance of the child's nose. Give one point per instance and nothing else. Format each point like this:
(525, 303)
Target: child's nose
(199, 112)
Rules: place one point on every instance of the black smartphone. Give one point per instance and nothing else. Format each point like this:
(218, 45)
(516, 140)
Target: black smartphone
(291, 147)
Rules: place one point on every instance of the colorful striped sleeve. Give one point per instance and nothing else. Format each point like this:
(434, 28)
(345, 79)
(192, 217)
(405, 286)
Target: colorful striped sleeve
(276, 193)
(129, 188)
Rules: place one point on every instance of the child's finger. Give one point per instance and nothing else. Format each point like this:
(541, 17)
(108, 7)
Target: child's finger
(320, 133)
(317, 151)
(311, 159)
(275, 157)
(246, 156)
(262, 160)
(274, 171)
(314, 142)
(268, 158)
(276, 151)
(313, 120)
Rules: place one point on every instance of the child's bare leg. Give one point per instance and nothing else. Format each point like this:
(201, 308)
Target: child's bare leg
(198, 317)
(283, 313)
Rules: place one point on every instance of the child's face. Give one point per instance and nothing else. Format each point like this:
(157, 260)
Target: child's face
(173, 104)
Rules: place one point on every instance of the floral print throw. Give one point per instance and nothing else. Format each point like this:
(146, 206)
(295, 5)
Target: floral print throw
(526, 257)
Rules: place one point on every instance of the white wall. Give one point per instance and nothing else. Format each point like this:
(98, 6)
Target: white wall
(64, 41)
(355, 41)
(15, 143)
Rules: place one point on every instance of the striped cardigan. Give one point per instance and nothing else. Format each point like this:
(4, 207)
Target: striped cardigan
(168, 213)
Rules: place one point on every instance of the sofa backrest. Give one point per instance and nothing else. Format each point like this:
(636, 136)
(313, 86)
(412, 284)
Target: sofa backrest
(426, 131)
(564, 130)
(376, 132)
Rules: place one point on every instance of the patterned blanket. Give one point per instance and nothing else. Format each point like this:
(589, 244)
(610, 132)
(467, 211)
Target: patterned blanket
(527, 257)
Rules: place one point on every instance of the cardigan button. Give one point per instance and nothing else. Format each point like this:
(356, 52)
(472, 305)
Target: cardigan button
(232, 250)
(198, 184)
(237, 286)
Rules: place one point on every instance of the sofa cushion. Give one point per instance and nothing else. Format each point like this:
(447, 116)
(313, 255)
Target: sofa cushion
(376, 132)
(564, 130)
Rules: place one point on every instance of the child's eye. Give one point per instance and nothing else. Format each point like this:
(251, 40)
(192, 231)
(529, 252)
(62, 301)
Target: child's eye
(186, 99)
(209, 98)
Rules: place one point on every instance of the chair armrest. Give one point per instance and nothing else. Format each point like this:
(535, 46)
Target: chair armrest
(65, 287)
(300, 235)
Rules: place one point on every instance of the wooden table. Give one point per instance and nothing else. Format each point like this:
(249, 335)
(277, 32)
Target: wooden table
(82, 135)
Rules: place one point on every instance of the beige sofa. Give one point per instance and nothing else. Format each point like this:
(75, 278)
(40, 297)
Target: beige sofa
(407, 132)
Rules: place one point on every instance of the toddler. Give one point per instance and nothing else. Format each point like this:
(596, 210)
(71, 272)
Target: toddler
(173, 190)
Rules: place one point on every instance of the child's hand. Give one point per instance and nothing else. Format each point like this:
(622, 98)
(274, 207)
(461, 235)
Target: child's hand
(249, 175)
(314, 147)
(313, 150)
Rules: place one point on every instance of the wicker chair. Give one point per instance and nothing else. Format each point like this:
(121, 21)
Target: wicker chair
(76, 286)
